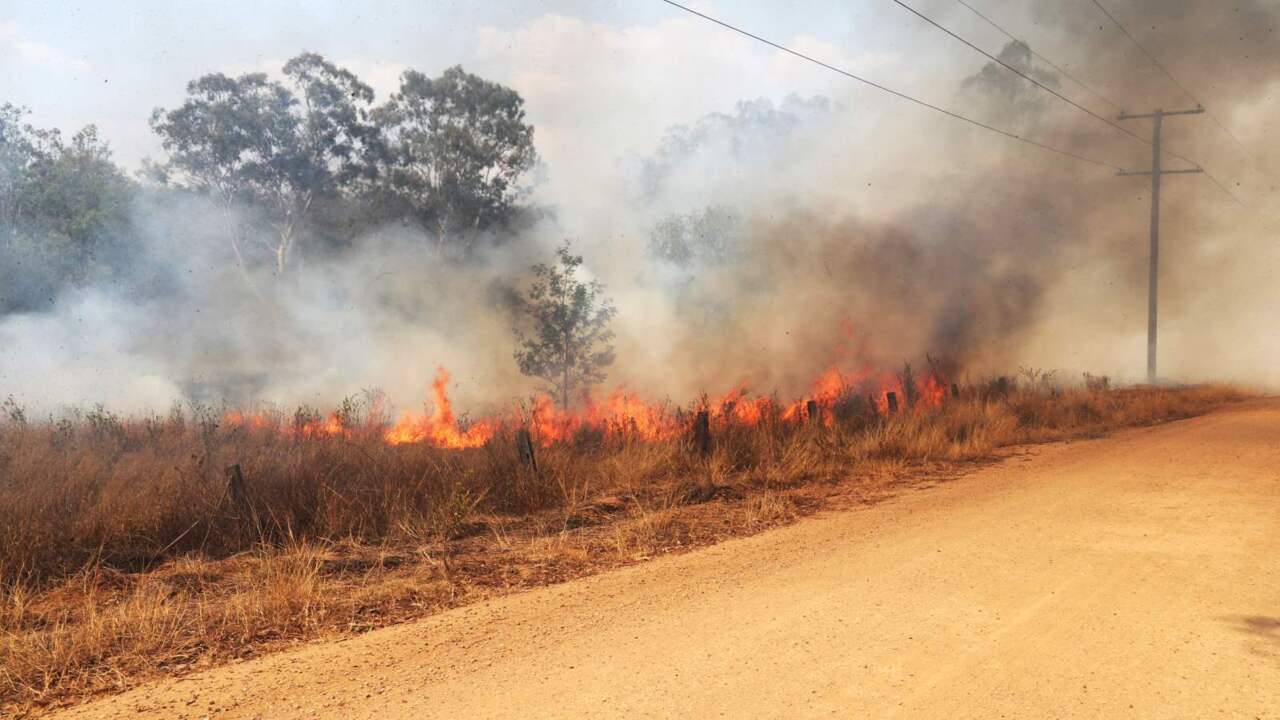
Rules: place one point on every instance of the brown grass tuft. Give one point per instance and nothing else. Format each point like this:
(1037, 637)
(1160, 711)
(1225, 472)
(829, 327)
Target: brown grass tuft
(123, 554)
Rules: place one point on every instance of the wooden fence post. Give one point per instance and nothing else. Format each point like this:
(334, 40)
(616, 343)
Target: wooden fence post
(811, 411)
(238, 490)
(524, 448)
(702, 432)
(892, 398)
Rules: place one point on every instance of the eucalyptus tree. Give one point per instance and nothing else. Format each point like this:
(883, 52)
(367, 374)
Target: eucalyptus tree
(269, 146)
(16, 153)
(65, 211)
(456, 150)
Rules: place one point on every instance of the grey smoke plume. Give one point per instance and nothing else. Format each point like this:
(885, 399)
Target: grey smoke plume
(863, 232)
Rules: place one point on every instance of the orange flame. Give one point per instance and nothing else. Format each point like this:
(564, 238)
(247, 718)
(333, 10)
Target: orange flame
(623, 414)
(309, 428)
(441, 427)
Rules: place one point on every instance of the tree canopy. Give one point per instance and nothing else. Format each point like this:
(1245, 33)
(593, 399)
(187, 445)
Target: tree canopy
(309, 153)
(65, 211)
(275, 146)
(565, 337)
(456, 149)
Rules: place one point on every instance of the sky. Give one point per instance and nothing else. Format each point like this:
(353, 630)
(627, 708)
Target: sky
(608, 74)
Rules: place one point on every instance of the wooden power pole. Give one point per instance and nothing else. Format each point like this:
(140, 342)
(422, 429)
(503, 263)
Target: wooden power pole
(1156, 171)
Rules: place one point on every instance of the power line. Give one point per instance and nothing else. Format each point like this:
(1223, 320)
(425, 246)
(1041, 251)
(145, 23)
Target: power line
(1169, 75)
(1222, 187)
(1027, 77)
(1206, 172)
(1186, 92)
(1042, 58)
(891, 91)
(1064, 98)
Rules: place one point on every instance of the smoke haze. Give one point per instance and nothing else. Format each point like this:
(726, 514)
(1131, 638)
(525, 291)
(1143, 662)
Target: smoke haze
(856, 230)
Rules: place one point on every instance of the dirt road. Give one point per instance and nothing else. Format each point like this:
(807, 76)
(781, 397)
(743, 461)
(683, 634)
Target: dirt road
(1135, 576)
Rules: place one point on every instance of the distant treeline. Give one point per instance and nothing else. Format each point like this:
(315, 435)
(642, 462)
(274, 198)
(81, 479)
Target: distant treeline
(299, 165)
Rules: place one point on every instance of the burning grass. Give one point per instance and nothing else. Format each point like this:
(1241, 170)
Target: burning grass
(128, 548)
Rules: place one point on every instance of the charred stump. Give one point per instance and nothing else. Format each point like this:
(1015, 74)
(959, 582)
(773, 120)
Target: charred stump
(524, 448)
(238, 491)
(702, 433)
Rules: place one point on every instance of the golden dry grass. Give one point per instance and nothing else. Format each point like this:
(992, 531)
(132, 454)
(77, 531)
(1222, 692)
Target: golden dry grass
(122, 556)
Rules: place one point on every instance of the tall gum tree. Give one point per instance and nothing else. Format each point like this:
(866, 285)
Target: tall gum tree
(456, 148)
(65, 212)
(277, 147)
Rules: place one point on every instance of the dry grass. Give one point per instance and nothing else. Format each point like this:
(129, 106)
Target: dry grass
(122, 554)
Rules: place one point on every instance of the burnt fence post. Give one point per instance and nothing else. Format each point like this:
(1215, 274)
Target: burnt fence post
(524, 448)
(892, 398)
(702, 432)
(811, 411)
(238, 489)
(1003, 385)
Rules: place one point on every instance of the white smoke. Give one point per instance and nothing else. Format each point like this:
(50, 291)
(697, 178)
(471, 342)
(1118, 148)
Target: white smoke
(860, 214)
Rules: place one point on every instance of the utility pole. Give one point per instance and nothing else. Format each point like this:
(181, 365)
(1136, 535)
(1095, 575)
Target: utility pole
(1153, 277)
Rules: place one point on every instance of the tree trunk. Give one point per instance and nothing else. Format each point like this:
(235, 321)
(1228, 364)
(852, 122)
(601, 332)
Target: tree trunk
(442, 236)
(282, 248)
(289, 233)
(564, 389)
(235, 249)
(564, 377)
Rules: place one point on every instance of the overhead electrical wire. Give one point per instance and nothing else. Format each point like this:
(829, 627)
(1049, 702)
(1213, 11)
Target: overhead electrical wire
(1169, 75)
(1060, 70)
(895, 93)
(1068, 100)
(1191, 97)
(1222, 187)
(1032, 80)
